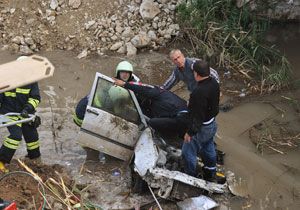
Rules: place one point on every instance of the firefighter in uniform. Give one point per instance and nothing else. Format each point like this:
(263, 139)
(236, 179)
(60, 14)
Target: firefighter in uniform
(124, 71)
(22, 100)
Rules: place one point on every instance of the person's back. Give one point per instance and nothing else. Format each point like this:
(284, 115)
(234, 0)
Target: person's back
(159, 102)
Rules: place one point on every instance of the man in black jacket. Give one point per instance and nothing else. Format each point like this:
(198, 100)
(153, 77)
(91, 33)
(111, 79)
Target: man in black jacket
(166, 110)
(203, 108)
(22, 100)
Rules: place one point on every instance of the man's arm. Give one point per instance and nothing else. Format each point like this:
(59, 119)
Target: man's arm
(34, 98)
(171, 81)
(214, 74)
(196, 109)
(147, 91)
(139, 88)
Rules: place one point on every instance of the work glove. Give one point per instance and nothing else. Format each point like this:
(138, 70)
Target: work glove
(37, 122)
(25, 111)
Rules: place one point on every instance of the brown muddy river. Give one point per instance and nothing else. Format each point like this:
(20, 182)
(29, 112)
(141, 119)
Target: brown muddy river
(272, 179)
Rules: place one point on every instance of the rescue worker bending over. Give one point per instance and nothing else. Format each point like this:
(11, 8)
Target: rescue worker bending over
(22, 100)
(166, 110)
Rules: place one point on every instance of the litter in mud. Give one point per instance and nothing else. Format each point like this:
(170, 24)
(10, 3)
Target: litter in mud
(197, 203)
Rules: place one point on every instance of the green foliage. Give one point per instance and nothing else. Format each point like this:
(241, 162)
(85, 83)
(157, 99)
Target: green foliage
(233, 38)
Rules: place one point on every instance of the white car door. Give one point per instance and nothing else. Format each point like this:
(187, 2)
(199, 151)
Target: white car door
(113, 119)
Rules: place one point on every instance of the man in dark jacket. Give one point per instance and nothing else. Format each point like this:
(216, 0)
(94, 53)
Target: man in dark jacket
(203, 108)
(165, 109)
(22, 100)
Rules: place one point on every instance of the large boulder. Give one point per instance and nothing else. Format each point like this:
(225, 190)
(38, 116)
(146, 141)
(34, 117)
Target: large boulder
(141, 40)
(149, 9)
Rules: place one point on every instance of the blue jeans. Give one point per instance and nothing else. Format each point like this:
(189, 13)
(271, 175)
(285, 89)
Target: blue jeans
(202, 143)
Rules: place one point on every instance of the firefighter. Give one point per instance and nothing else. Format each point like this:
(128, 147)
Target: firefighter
(22, 100)
(124, 71)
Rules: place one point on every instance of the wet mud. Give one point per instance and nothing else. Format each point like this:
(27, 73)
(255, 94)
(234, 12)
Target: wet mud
(271, 178)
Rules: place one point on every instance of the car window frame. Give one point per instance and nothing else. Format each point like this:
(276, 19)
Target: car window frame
(132, 95)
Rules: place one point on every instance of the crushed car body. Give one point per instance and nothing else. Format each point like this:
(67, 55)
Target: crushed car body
(118, 128)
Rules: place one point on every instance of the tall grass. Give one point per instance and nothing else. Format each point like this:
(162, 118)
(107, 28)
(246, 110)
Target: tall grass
(233, 38)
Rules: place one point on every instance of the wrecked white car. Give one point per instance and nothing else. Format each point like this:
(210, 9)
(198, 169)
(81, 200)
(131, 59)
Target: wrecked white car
(117, 127)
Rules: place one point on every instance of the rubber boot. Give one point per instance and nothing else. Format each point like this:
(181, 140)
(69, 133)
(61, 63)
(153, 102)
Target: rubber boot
(209, 175)
(3, 169)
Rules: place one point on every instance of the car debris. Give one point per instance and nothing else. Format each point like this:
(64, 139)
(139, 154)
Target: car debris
(122, 132)
(197, 203)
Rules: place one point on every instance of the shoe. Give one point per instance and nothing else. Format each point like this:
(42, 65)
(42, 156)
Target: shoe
(209, 175)
(3, 169)
(220, 178)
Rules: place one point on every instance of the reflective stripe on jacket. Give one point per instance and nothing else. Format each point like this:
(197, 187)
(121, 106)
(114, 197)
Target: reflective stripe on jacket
(16, 99)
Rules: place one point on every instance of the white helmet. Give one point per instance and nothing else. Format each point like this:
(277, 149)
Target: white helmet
(23, 57)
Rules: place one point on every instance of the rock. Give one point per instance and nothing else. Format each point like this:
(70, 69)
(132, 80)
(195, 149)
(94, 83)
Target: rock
(30, 21)
(14, 47)
(12, 10)
(131, 50)
(119, 29)
(114, 38)
(148, 9)
(25, 50)
(172, 7)
(140, 40)
(53, 4)
(18, 40)
(122, 50)
(116, 46)
(152, 35)
(6, 47)
(173, 29)
(29, 41)
(89, 24)
(74, 3)
(127, 32)
(83, 54)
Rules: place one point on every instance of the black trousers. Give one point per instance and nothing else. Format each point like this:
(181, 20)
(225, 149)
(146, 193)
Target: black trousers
(170, 128)
(11, 142)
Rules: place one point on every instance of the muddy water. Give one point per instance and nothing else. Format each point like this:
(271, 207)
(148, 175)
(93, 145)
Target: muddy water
(272, 179)
(72, 80)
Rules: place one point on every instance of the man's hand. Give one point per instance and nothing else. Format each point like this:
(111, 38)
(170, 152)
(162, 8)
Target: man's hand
(187, 138)
(24, 113)
(119, 82)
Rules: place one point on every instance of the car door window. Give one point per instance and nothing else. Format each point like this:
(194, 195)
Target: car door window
(115, 100)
